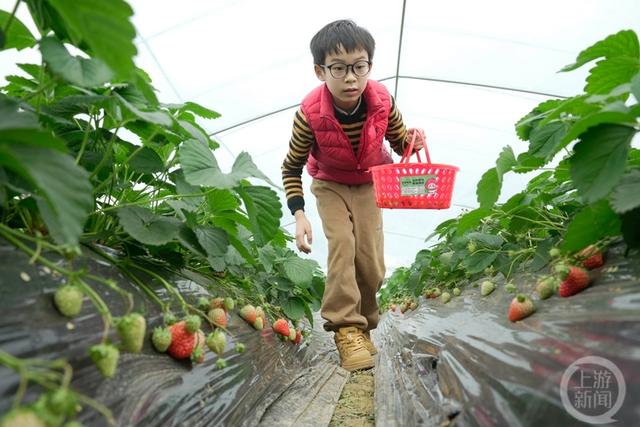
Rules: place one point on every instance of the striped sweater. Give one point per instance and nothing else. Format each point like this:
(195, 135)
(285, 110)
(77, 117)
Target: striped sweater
(302, 140)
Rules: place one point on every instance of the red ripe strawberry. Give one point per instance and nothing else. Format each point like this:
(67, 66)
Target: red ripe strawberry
(218, 317)
(182, 341)
(521, 306)
(105, 356)
(591, 257)
(298, 338)
(248, 313)
(131, 330)
(574, 281)
(281, 327)
(68, 300)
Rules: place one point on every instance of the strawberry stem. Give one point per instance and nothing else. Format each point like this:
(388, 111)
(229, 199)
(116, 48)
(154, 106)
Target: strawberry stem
(167, 285)
(46, 374)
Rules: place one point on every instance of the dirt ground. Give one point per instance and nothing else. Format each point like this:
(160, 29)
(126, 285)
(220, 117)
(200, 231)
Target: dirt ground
(355, 407)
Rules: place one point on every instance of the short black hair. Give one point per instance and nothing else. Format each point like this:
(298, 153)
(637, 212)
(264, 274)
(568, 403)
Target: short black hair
(341, 34)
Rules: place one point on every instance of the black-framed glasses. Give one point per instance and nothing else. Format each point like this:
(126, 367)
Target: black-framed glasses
(339, 70)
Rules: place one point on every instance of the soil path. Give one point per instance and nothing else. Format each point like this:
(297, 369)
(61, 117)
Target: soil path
(355, 407)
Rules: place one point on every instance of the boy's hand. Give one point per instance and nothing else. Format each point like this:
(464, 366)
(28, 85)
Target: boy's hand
(420, 138)
(303, 229)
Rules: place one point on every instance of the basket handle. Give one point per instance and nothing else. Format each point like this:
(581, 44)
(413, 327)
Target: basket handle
(409, 150)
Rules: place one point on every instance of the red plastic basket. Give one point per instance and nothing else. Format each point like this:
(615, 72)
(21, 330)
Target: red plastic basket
(419, 185)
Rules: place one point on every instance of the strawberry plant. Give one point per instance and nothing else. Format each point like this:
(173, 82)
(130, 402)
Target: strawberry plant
(587, 191)
(92, 161)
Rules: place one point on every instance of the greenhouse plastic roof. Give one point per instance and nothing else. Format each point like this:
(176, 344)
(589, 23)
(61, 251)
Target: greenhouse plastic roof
(465, 71)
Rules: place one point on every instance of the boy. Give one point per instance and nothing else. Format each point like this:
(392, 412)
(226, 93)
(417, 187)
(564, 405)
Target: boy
(338, 132)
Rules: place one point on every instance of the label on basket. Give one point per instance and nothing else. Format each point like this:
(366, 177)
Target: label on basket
(418, 185)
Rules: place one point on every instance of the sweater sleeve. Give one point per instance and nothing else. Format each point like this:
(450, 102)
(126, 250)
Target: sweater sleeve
(300, 144)
(396, 130)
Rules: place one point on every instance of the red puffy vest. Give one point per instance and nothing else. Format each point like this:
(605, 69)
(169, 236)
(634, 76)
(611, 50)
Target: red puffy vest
(332, 157)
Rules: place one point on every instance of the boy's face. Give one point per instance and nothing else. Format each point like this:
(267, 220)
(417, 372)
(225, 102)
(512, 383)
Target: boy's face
(345, 90)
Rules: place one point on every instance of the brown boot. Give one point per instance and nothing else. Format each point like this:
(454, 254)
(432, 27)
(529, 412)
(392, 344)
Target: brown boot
(351, 346)
(369, 344)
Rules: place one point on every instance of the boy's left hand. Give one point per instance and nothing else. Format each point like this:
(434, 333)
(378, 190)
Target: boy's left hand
(420, 140)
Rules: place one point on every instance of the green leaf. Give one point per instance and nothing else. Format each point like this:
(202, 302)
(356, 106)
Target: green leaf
(545, 140)
(105, 27)
(142, 82)
(242, 247)
(515, 201)
(635, 87)
(212, 239)
(528, 163)
(65, 195)
(157, 117)
(201, 167)
(221, 200)
(626, 195)
(488, 189)
(523, 219)
(244, 167)
(294, 308)
(541, 257)
(69, 106)
(611, 73)
(599, 160)
(187, 238)
(197, 109)
(146, 161)
(540, 180)
(601, 117)
(299, 271)
(486, 240)
(528, 122)
(18, 36)
(12, 118)
(506, 161)
(630, 229)
(590, 225)
(479, 261)
(571, 107)
(471, 220)
(267, 256)
(621, 44)
(194, 131)
(264, 210)
(47, 18)
(80, 71)
(146, 227)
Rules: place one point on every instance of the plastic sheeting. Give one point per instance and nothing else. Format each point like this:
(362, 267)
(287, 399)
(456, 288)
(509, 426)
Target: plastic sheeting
(465, 363)
(151, 389)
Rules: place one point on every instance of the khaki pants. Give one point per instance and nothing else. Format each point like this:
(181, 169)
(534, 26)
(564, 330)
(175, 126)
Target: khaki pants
(352, 224)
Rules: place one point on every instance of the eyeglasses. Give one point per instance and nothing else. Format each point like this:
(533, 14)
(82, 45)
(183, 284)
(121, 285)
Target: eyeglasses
(359, 68)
